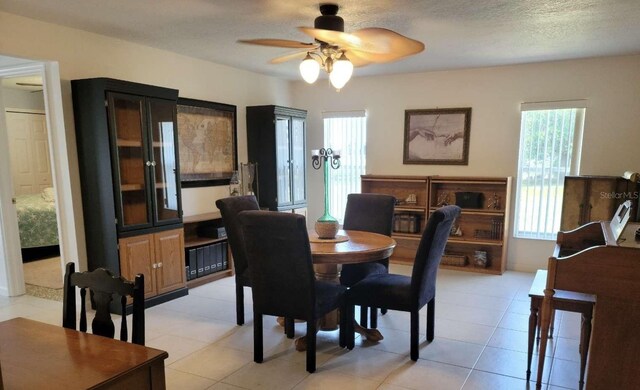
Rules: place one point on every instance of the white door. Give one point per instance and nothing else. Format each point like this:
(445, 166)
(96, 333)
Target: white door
(29, 152)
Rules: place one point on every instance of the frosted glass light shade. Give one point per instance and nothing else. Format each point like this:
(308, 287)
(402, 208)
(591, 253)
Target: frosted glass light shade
(309, 69)
(341, 73)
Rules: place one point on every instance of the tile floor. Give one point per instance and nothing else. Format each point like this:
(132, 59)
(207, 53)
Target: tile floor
(481, 342)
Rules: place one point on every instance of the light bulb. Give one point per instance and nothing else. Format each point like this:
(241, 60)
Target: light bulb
(341, 72)
(309, 69)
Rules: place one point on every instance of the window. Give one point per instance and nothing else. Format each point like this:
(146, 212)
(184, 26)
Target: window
(347, 132)
(550, 139)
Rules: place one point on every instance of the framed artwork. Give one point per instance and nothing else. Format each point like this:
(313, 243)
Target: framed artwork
(207, 139)
(437, 136)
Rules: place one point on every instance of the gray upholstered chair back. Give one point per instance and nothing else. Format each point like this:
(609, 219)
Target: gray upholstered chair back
(280, 263)
(370, 213)
(434, 238)
(229, 209)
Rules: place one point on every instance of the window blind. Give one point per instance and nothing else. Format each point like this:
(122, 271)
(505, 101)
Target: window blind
(345, 131)
(549, 150)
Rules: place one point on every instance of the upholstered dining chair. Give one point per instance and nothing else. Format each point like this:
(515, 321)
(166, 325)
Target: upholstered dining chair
(369, 213)
(103, 286)
(229, 209)
(404, 293)
(283, 279)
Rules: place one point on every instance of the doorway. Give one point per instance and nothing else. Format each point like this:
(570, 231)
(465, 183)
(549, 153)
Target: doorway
(46, 140)
(33, 185)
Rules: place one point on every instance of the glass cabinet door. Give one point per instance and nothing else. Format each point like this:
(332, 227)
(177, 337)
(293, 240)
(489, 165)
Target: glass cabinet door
(298, 160)
(164, 161)
(130, 169)
(283, 161)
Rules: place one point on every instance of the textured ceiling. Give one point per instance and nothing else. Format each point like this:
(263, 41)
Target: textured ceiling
(457, 33)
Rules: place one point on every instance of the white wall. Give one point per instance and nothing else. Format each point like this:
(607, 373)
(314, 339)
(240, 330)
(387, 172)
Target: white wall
(83, 55)
(611, 137)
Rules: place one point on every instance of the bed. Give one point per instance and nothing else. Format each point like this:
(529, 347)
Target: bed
(37, 221)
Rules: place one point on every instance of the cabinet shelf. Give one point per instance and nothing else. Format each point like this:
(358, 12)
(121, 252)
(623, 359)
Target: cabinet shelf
(128, 143)
(454, 240)
(414, 209)
(411, 236)
(479, 212)
(131, 187)
(192, 242)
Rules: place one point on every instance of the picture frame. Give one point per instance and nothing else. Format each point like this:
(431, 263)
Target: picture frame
(438, 136)
(207, 142)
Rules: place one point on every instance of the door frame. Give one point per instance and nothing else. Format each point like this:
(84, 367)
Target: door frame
(11, 272)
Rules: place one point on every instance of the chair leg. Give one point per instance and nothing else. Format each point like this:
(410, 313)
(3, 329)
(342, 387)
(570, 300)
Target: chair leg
(311, 345)
(239, 304)
(415, 324)
(257, 337)
(363, 316)
(350, 332)
(383, 311)
(431, 319)
(342, 333)
(289, 327)
(373, 317)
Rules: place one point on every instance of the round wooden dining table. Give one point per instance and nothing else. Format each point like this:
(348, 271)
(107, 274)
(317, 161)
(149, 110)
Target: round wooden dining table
(349, 247)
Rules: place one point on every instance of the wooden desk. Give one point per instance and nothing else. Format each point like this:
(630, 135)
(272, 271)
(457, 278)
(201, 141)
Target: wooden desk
(589, 261)
(34, 355)
(360, 247)
(563, 300)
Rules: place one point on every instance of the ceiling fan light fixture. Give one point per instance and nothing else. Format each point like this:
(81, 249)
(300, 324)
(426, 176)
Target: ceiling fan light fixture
(341, 72)
(309, 69)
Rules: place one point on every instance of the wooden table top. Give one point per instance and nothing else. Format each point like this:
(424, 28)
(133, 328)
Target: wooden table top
(35, 355)
(361, 247)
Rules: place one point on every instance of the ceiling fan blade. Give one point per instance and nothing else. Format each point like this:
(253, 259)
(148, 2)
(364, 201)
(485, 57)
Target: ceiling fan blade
(280, 43)
(338, 38)
(289, 57)
(390, 46)
(355, 59)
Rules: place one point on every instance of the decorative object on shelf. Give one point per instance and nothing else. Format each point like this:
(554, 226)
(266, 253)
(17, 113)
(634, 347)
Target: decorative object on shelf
(455, 260)
(443, 199)
(248, 172)
(326, 226)
(494, 202)
(406, 223)
(329, 51)
(469, 200)
(234, 185)
(411, 199)
(437, 136)
(207, 140)
(480, 259)
(455, 231)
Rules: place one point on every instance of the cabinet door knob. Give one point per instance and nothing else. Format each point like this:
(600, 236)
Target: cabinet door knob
(148, 163)
(159, 265)
(153, 163)
(154, 266)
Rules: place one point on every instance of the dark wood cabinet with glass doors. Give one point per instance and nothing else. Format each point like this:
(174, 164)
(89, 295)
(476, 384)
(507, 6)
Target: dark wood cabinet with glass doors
(276, 140)
(127, 148)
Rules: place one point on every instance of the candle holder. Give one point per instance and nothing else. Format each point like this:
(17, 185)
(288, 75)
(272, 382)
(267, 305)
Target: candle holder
(326, 226)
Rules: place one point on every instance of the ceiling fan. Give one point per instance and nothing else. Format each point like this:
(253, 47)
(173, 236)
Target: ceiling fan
(332, 46)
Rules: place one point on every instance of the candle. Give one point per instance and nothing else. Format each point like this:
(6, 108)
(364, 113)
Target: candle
(336, 153)
(315, 152)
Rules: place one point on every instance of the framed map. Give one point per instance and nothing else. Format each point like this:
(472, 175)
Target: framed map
(207, 142)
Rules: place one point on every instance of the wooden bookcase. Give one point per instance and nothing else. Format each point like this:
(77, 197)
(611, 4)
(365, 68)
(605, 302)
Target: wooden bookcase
(483, 228)
(196, 235)
(401, 187)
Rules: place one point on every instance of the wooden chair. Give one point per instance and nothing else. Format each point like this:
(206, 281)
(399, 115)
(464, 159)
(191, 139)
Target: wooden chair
(283, 278)
(404, 293)
(369, 213)
(229, 209)
(103, 286)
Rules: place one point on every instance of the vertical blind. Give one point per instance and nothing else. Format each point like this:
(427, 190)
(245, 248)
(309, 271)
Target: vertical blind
(345, 131)
(549, 150)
